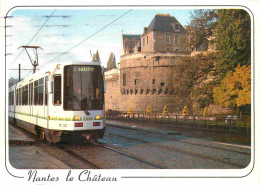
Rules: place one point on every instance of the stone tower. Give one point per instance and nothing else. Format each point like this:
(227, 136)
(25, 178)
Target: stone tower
(147, 68)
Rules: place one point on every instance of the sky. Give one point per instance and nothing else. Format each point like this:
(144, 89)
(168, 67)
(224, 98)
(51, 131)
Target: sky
(81, 32)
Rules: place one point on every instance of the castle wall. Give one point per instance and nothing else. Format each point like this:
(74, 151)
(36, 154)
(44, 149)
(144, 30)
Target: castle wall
(112, 94)
(148, 81)
(144, 46)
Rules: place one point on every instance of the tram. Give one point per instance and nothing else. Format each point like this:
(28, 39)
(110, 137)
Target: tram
(61, 102)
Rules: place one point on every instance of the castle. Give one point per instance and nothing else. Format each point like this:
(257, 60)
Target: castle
(146, 75)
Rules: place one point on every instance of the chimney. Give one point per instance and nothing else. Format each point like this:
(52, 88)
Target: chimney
(145, 29)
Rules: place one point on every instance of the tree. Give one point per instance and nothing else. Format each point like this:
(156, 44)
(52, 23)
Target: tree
(201, 28)
(233, 36)
(111, 63)
(96, 57)
(235, 88)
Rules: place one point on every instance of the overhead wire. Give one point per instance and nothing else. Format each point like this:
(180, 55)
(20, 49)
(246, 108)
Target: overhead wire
(88, 37)
(33, 37)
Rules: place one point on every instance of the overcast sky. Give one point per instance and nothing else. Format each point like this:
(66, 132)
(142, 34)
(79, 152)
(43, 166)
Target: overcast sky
(68, 27)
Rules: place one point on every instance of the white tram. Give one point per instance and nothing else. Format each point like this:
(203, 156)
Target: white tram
(59, 103)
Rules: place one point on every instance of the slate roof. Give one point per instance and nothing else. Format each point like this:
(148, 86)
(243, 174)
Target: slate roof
(164, 23)
(138, 37)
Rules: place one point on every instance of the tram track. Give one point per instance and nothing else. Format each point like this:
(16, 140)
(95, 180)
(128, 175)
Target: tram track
(82, 159)
(129, 155)
(66, 149)
(44, 145)
(203, 145)
(79, 155)
(171, 148)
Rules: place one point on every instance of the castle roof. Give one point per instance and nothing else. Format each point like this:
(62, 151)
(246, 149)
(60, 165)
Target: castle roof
(164, 23)
(138, 37)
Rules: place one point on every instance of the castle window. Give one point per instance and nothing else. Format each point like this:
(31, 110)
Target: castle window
(124, 79)
(167, 39)
(177, 27)
(176, 39)
(153, 81)
(135, 81)
(162, 84)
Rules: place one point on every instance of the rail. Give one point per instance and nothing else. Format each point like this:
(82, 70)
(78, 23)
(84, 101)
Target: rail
(194, 121)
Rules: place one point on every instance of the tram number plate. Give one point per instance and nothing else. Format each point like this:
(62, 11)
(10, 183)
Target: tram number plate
(96, 124)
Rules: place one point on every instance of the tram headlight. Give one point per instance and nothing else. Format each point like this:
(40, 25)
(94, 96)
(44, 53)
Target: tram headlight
(76, 118)
(97, 116)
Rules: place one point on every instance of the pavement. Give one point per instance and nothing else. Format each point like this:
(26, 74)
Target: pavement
(24, 154)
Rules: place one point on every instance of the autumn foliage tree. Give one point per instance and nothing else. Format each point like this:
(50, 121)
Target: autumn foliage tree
(233, 33)
(96, 57)
(111, 63)
(235, 88)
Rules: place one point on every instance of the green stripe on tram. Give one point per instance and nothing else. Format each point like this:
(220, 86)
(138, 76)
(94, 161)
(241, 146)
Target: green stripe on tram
(57, 118)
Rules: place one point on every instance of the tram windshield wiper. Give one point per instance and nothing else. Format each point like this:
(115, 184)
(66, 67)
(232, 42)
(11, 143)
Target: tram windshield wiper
(80, 104)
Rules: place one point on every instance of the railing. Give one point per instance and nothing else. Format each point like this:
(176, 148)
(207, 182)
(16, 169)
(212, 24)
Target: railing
(194, 121)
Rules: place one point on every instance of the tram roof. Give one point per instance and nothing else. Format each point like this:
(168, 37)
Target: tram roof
(51, 68)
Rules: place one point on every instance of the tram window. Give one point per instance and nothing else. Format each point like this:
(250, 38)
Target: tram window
(16, 97)
(22, 89)
(31, 94)
(40, 89)
(46, 90)
(11, 98)
(25, 95)
(36, 95)
(20, 96)
(9, 103)
(57, 90)
(12, 94)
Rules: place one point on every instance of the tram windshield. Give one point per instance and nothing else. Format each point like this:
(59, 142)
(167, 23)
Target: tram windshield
(83, 88)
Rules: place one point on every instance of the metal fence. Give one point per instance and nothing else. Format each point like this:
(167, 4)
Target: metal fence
(195, 121)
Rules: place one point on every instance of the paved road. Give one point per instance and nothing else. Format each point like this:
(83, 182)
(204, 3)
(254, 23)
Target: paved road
(177, 151)
(133, 148)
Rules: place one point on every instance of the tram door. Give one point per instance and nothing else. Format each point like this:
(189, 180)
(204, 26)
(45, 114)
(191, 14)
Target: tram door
(46, 98)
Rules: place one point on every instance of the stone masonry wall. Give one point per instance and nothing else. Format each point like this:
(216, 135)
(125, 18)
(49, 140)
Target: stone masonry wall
(112, 94)
(149, 81)
(144, 46)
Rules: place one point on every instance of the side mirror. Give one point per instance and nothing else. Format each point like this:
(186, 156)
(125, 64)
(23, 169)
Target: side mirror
(50, 86)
